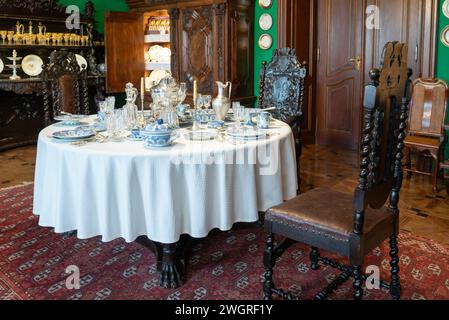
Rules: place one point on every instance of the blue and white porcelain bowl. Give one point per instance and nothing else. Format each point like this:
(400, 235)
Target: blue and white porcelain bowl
(205, 116)
(158, 135)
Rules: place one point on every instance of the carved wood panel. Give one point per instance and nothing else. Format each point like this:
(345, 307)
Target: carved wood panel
(197, 47)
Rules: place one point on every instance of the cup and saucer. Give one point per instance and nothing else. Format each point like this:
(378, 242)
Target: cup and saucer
(135, 135)
(217, 124)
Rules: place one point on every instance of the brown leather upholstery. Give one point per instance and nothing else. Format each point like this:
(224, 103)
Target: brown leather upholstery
(66, 83)
(329, 214)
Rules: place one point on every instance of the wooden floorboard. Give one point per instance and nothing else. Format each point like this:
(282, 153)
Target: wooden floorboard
(422, 212)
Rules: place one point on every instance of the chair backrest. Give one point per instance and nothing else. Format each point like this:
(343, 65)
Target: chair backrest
(385, 112)
(282, 84)
(65, 84)
(428, 107)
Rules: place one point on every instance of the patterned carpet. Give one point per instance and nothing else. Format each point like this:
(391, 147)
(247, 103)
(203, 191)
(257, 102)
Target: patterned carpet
(226, 266)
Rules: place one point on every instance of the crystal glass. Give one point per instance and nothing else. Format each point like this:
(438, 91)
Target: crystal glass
(199, 101)
(115, 125)
(207, 100)
(239, 112)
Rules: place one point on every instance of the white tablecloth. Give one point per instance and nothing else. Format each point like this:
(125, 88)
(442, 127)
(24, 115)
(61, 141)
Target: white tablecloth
(124, 190)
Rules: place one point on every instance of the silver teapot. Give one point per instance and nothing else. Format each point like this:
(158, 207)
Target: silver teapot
(222, 102)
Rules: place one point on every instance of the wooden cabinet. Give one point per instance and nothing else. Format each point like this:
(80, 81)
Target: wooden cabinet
(21, 104)
(209, 41)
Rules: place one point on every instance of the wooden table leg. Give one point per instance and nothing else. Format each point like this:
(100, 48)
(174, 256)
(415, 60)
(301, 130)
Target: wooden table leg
(171, 260)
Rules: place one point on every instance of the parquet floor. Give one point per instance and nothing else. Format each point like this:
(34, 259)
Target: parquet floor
(422, 212)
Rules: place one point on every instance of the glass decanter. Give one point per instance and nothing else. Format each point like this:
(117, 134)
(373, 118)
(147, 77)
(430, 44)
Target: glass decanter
(130, 108)
(166, 95)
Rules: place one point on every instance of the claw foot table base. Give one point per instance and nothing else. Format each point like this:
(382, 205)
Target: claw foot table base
(171, 260)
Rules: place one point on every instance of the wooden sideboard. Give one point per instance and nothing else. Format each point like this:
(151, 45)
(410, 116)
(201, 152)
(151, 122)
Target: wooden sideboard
(210, 40)
(21, 103)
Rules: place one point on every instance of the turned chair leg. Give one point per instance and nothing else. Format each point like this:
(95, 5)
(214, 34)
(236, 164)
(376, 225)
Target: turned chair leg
(436, 169)
(268, 261)
(358, 283)
(314, 255)
(395, 286)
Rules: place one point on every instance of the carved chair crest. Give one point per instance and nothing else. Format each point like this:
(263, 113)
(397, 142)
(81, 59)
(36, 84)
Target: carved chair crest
(282, 84)
(65, 84)
(386, 111)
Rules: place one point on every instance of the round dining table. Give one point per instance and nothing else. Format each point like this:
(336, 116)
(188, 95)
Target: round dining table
(158, 196)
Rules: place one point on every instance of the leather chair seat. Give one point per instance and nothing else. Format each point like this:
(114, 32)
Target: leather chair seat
(422, 142)
(330, 214)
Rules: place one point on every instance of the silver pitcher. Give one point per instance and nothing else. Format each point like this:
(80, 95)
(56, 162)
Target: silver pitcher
(222, 102)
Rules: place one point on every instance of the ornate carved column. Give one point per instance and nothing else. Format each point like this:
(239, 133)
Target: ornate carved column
(174, 17)
(219, 10)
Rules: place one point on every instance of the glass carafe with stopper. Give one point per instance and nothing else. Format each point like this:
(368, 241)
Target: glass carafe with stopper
(167, 98)
(130, 108)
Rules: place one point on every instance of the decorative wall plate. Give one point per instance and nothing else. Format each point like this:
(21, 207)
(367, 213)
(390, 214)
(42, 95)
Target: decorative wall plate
(265, 22)
(445, 36)
(446, 8)
(1, 66)
(265, 41)
(265, 4)
(32, 65)
(81, 62)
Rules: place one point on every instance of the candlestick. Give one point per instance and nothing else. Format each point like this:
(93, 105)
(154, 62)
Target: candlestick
(195, 93)
(142, 98)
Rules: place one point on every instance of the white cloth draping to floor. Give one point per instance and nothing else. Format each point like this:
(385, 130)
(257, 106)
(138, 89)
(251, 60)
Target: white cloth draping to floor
(124, 190)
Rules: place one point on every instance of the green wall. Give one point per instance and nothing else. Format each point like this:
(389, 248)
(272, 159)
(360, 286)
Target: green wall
(100, 7)
(259, 54)
(443, 59)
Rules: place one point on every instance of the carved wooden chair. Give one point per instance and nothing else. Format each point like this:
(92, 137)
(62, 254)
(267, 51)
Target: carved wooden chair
(427, 115)
(282, 87)
(346, 225)
(64, 85)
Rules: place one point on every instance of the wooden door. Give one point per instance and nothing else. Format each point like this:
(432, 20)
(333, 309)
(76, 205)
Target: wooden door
(124, 46)
(297, 29)
(413, 22)
(339, 72)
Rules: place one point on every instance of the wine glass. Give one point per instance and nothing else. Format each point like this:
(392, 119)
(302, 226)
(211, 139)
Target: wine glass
(239, 113)
(3, 34)
(207, 100)
(199, 102)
